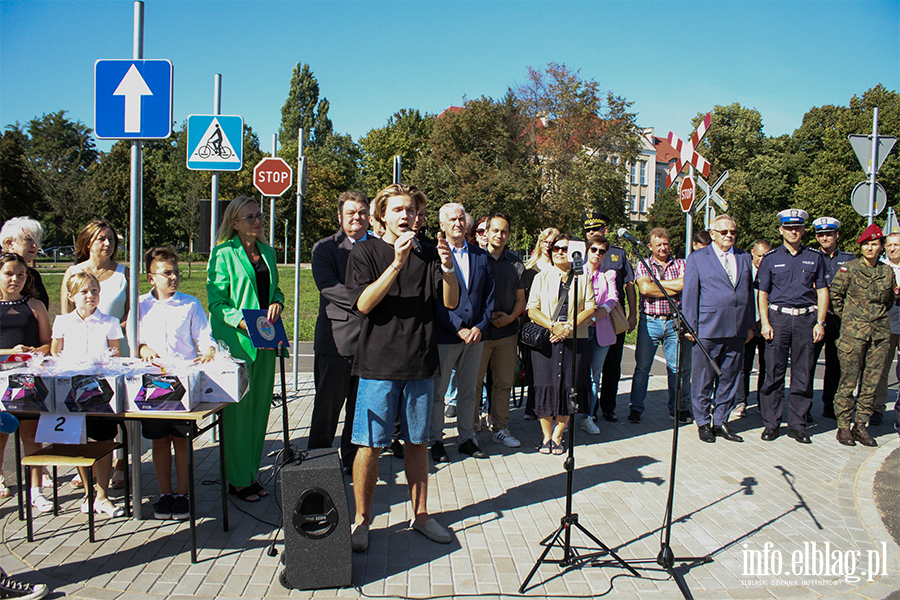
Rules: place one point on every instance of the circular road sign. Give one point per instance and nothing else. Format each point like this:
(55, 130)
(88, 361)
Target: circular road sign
(272, 176)
(859, 198)
(686, 194)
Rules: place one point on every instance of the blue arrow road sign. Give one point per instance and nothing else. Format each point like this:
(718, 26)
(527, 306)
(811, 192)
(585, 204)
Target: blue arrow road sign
(215, 143)
(132, 99)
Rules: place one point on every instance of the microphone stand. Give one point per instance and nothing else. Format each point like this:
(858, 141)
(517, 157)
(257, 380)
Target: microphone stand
(666, 558)
(571, 558)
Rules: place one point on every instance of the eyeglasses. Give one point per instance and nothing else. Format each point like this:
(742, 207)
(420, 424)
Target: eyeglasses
(731, 232)
(251, 218)
(598, 250)
(818, 233)
(169, 274)
(561, 248)
(479, 231)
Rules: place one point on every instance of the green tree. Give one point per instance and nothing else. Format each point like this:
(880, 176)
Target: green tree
(826, 187)
(19, 190)
(573, 129)
(479, 158)
(407, 133)
(303, 108)
(60, 152)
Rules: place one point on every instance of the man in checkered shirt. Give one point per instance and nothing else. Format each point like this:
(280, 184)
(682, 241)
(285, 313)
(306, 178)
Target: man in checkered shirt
(656, 326)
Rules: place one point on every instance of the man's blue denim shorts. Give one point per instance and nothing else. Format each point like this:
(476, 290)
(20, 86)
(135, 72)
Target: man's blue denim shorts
(377, 404)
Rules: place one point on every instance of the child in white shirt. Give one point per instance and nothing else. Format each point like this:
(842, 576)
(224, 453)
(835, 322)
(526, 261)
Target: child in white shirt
(87, 333)
(172, 325)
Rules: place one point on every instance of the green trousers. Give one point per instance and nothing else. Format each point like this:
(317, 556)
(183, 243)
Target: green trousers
(245, 422)
(862, 361)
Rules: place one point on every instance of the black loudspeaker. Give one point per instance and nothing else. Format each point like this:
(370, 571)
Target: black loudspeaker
(317, 551)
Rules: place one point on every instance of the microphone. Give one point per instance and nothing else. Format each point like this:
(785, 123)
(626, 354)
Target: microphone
(416, 246)
(623, 233)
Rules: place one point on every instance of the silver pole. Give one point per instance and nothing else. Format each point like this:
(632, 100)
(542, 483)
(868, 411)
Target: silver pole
(214, 192)
(873, 166)
(272, 199)
(135, 247)
(689, 223)
(301, 176)
(285, 242)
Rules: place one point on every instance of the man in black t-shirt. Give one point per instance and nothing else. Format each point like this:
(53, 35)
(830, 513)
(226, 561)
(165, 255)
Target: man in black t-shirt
(396, 284)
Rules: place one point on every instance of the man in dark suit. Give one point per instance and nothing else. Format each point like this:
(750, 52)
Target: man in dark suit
(459, 335)
(337, 329)
(718, 303)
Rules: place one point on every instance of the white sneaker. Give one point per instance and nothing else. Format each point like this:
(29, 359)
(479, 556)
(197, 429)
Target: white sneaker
(506, 438)
(41, 503)
(588, 425)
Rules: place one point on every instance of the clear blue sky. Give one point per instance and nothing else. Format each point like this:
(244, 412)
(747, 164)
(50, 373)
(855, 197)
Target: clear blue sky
(672, 59)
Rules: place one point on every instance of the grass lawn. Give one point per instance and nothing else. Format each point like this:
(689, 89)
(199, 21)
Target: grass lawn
(194, 283)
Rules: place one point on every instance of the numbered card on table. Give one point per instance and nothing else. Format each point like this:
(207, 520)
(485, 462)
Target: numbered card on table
(56, 428)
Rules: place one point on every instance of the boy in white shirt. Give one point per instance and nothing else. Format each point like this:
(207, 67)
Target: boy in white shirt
(172, 325)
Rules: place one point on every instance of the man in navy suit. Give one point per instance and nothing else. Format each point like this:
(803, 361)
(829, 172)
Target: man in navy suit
(718, 303)
(459, 335)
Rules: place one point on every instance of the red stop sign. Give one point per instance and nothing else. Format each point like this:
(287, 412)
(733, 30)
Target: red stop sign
(272, 176)
(685, 194)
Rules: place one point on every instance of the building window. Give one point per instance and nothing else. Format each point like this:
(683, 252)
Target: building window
(632, 174)
(658, 181)
(643, 206)
(643, 173)
(632, 202)
(614, 160)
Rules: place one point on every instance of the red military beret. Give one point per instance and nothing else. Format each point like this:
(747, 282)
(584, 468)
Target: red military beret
(872, 232)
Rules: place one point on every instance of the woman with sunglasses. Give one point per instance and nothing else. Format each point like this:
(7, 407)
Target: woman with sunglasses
(601, 333)
(552, 306)
(242, 274)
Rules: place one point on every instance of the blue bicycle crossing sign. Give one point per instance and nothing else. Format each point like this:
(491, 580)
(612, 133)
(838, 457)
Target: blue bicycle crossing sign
(132, 99)
(215, 143)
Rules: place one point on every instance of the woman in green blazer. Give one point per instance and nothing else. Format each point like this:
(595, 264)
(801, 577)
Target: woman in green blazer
(242, 273)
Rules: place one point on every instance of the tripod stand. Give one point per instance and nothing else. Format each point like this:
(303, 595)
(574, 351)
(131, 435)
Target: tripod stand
(571, 558)
(666, 558)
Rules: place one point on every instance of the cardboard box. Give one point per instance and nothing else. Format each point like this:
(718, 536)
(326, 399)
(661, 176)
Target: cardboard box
(23, 389)
(223, 381)
(88, 393)
(162, 392)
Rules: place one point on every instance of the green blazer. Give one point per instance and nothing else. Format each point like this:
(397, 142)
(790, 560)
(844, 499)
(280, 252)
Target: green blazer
(230, 287)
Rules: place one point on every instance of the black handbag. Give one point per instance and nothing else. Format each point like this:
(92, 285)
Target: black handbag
(537, 337)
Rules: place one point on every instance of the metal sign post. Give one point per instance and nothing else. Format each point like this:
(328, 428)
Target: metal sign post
(214, 192)
(301, 190)
(871, 150)
(272, 200)
(397, 169)
(135, 248)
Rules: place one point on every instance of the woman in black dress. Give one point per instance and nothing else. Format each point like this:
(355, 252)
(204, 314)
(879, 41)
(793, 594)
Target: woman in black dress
(568, 325)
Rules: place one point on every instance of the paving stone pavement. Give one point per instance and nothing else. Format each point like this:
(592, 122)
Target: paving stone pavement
(778, 519)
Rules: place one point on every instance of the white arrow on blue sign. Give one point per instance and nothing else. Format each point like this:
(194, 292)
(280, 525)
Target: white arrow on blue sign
(133, 99)
(215, 143)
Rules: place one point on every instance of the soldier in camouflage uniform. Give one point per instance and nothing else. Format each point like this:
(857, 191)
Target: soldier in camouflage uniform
(862, 293)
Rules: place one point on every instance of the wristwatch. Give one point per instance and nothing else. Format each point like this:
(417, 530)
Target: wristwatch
(822, 323)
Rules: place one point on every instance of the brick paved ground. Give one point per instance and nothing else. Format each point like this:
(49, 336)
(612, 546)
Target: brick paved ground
(732, 501)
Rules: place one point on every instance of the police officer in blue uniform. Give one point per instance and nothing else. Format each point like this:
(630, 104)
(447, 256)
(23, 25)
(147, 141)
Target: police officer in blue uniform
(617, 260)
(827, 234)
(793, 302)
